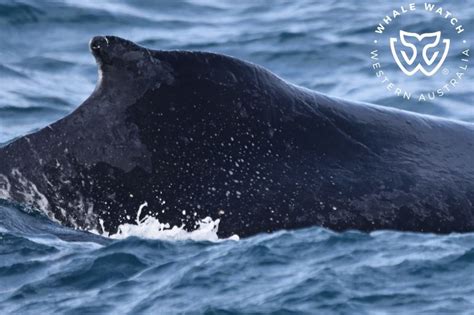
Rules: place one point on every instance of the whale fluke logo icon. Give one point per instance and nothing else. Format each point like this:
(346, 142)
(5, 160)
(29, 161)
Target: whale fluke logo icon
(430, 53)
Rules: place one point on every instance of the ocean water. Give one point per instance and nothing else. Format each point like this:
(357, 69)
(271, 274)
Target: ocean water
(46, 71)
(46, 269)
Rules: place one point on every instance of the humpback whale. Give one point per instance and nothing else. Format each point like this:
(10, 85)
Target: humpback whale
(198, 134)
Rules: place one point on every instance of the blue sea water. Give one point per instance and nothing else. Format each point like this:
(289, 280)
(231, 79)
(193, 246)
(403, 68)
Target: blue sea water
(46, 71)
(48, 269)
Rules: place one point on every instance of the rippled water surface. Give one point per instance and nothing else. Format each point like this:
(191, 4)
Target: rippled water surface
(47, 269)
(46, 71)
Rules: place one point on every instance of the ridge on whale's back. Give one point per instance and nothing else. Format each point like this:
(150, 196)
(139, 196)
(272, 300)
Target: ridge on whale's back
(196, 135)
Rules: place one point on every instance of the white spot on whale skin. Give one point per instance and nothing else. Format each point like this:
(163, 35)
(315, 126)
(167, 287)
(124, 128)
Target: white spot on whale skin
(4, 187)
(31, 195)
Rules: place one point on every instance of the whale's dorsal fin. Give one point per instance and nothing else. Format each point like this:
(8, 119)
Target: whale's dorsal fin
(119, 59)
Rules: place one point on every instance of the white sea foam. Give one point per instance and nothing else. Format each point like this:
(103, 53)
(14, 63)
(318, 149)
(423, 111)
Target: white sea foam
(151, 228)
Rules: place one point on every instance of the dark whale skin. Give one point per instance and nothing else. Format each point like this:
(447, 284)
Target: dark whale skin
(198, 134)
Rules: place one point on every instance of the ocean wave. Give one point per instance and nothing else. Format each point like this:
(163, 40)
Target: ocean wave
(300, 271)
